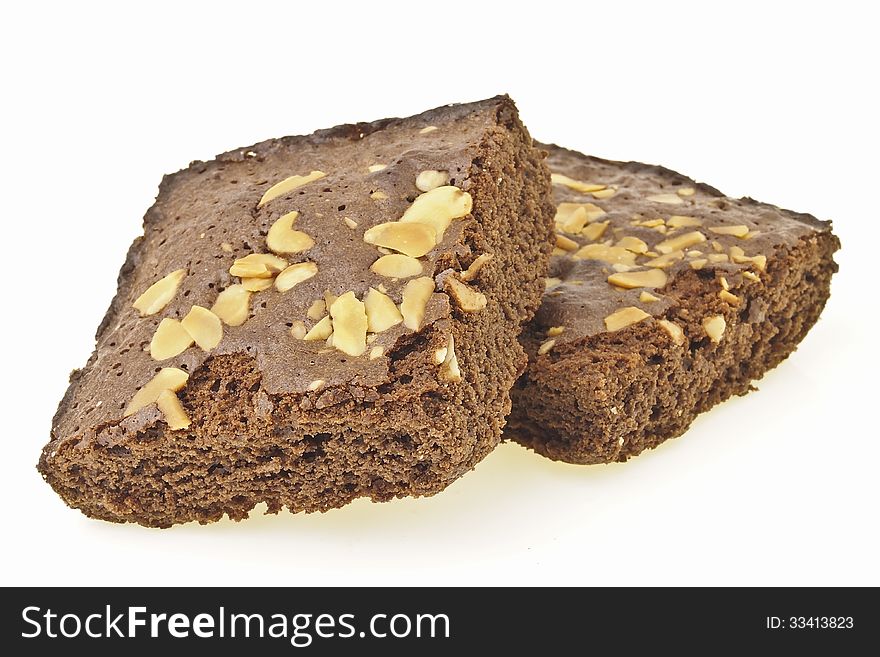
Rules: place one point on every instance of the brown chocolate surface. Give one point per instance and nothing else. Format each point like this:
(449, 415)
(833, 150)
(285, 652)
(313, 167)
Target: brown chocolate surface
(263, 399)
(594, 395)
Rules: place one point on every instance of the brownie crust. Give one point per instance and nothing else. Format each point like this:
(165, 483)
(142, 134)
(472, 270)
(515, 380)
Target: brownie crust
(597, 395)
(297, 424)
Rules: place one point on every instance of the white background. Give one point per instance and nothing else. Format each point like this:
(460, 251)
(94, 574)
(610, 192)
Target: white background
(773, 100)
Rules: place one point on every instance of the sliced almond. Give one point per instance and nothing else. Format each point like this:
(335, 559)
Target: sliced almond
(576, 214)
(159, 294)
(595, 231)
(283, 239)
(350, 223)
(298, 329)
(379, 195)
(546, 346)
(288, 185)
(427, 129)
(576, 185)
(377, 352)
(714, 327)
(226, 247)
(412, 239)
(633, 244)
(169, 340)
(415, 301)
(737, 231)
(175, 415)
(669, 199)
(256, 284)
(438, 208)
(647, 297)
(752, 276)
(373, 168)
(553, 331)
(466, 298)
(550, 283)
(233, 305)
(699, 263)
(739, 257)
(449, 369)
(686, 191)
(320, 331)
(396, 265)
(428, 180)
(168, 378)
(204, 327)
(566, 244)
(381, 311)
(674, 331)
(257, 265)
(317, 310)
(604, 193)
(294, 275)
(681, 242)
(625, 317)
(609, 254)
(633, 279)
(717, 257)
(680, 221)
(728, 297)
(473, 270)
(329, 298)
(349, 324)
(666, 260)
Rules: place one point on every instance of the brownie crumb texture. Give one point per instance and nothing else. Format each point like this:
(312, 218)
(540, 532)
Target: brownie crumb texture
(313, 319)
(665, 297)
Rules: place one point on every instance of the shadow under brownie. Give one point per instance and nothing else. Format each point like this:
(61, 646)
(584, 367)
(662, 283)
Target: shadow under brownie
(664, 298)
(313, 319)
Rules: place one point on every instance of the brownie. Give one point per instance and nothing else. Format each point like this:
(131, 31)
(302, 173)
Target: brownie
(665, 297)
(313, 319)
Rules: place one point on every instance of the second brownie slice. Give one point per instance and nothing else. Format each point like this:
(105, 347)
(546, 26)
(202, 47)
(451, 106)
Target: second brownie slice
(313, 319)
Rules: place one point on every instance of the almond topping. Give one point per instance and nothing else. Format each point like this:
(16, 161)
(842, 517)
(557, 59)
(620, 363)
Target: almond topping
(647, 297)
(681, 242)
(633, 279)
(680, 221)
(633, 244)
(427, 129)
(233, 305)
(604, 193)
(669, 199)
(256, 284)
(576, 215)
(373, 168)
(288, 185)
(686, 191)
(226, 247)
(728, 297)
(724, 284)
(382, 314)
(466, 298)
(379, 196)
(717, 257)
(159, 294)
(377, 352)
(739, 257)
(320, 331)
(473, 270)
(553, 331)
(294, 275)
(550, 283)
(169, 340)
(699, 263)
(172, 409)
(674, 331)
(257, 265)
(396, 265)
(412, 239)
(449, 369)
(609, 254)
(168, 378)
(714, 327)
(752, 276)
(415, 301)
(565, 243)
(546, 346)
(298, 329)
(438, 208)
(625, 317)
(665, 260)
(317, 384)
(736, 231)
(428, 180)
(350, 223)
(576, 185)
(282, 238)
(317, 310)
(594, 231)
(349, 324)
(204, 327)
